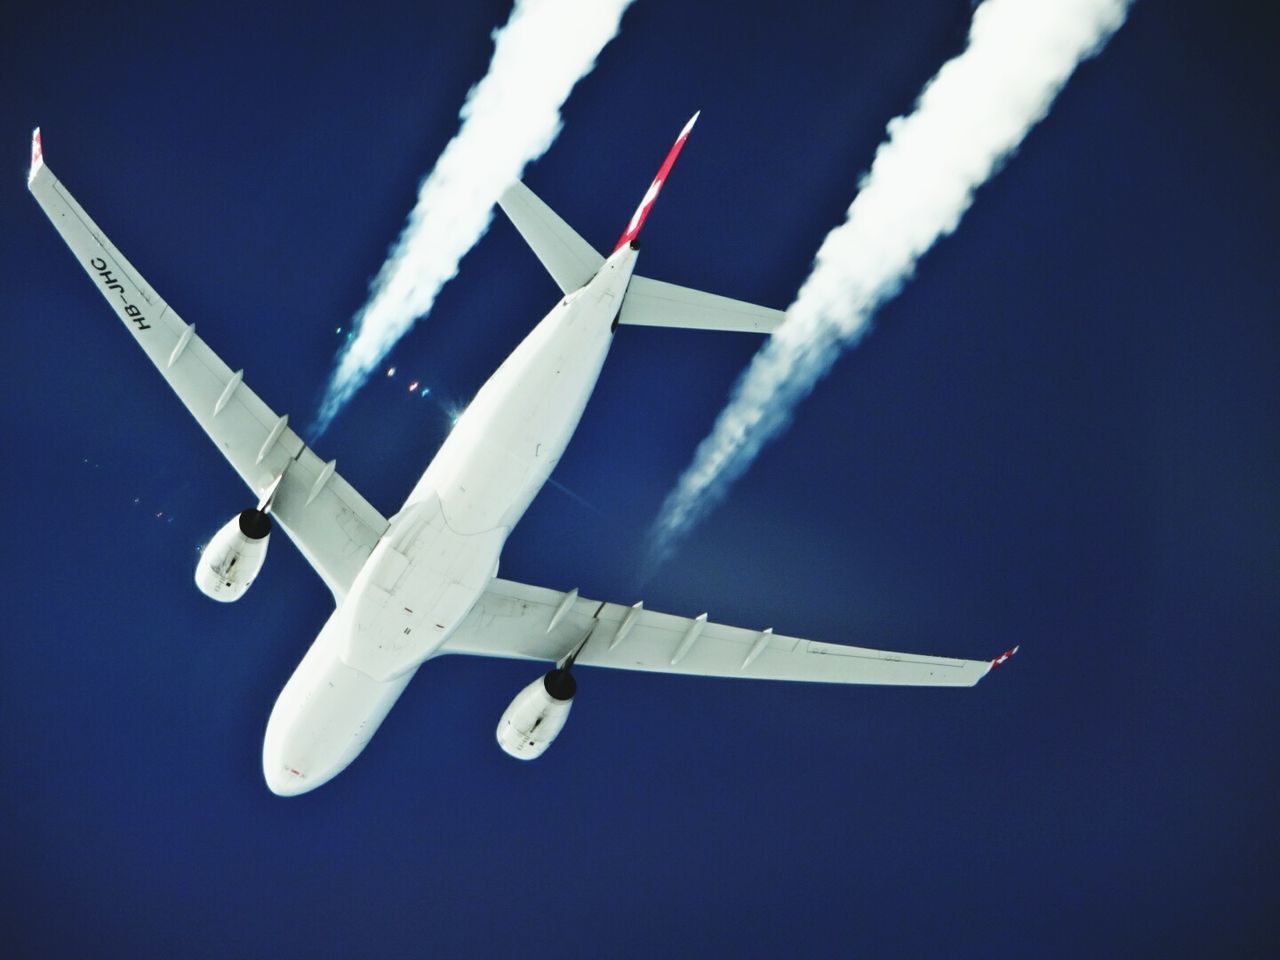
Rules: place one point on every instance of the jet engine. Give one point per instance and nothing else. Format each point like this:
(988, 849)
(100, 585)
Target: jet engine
(232, 559)
(537, 714)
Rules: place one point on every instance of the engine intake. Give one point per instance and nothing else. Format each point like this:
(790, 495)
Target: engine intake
(232, 559)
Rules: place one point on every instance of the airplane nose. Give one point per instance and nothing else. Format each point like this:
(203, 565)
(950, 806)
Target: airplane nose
(287, 775)
(323, 718)
(284, 780)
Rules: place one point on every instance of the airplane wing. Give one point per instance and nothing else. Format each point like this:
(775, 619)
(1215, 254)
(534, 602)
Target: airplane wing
(533, 623)
(334, 527)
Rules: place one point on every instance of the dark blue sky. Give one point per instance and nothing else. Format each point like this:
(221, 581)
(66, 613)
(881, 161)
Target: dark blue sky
(1062, 434)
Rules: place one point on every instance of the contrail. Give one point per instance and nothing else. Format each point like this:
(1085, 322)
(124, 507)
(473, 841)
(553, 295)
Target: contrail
(970, 117)
(510, 118)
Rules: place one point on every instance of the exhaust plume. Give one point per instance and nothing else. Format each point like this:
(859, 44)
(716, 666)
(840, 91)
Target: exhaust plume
(970, 117)
(510, 118)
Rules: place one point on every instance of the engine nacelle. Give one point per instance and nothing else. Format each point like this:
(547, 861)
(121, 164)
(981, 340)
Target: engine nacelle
(537, 715)
(232, 559)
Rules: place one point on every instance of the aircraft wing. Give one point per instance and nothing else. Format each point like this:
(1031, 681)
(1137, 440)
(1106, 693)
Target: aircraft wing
(334, 527)
(526, 622)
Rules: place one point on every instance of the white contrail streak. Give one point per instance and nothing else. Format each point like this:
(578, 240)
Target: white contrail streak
(968, 120)
(510, 118)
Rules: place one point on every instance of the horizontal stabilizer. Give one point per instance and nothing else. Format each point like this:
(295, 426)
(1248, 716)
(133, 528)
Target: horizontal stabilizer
(653, 303)
(570, 260)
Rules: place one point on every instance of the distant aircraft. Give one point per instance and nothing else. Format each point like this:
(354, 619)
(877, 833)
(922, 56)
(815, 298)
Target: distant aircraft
(424, 582)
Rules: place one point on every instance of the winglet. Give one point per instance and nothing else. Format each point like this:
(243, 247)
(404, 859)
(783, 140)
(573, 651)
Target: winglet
(37, 155)
(642, 211)
(1003, 657)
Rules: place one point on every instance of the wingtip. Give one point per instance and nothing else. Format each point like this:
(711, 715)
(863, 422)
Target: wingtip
(998, 661)
(689, 126)
(37, 154)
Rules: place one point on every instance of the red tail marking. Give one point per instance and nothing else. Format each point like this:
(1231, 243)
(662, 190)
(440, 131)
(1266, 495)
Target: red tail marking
(642, 211)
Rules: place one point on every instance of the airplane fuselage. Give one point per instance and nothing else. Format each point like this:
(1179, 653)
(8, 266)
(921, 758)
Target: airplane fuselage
(441, 549)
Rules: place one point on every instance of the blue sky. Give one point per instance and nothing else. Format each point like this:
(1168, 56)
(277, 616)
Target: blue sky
(1062, 434)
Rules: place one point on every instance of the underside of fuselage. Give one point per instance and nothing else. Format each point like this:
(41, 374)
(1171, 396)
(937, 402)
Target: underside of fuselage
(442, 548)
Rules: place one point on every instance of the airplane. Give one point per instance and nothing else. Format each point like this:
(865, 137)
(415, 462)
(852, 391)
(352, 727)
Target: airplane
(423, 582)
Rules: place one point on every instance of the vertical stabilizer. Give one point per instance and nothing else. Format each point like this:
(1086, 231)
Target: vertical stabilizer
(642, 211)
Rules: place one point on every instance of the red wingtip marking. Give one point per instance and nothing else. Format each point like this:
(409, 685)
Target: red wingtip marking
(37, 149)
(1003, 657)
(642, 211)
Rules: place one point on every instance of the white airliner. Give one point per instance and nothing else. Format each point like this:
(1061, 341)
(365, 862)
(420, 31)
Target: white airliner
(424, 582)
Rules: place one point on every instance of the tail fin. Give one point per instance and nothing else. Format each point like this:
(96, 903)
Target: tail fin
(642, 211)
(572, 262)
